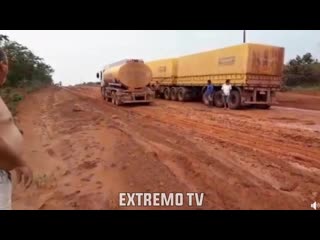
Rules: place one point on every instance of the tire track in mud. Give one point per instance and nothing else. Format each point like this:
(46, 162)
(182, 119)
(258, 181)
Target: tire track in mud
(262, 144)
(152, 147)
(259, 175)
(185, 170)
(217, 178)
(256, 172)
(283, 160)
(98, 157)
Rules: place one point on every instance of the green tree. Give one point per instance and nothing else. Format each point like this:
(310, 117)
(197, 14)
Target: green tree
(26, 68)
(302, 71)
(308, 59)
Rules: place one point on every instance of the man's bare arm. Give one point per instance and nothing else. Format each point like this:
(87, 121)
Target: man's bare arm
(8, 158)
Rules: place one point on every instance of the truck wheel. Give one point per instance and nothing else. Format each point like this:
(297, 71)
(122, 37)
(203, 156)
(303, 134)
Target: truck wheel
(167, 93)
(234, 100)
(173, 94)
(182, 94)
(218, 99)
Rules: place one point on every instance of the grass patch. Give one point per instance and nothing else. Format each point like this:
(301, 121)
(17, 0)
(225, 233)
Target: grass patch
(13, 96)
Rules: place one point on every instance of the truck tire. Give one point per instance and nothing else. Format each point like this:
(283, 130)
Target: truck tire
(182, 94)
(234, 100)
(173, 94)
(167, 93)
(218, 99)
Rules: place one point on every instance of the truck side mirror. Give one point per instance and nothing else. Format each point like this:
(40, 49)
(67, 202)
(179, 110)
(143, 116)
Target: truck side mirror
(97, 75)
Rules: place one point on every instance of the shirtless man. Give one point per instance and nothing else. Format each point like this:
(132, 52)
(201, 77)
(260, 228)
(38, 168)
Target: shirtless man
(10, 147)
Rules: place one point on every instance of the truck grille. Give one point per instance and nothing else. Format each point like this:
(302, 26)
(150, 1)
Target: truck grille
(139, 97)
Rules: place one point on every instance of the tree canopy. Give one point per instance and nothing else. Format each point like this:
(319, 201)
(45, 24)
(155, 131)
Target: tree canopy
(25, 67)
(302, 71)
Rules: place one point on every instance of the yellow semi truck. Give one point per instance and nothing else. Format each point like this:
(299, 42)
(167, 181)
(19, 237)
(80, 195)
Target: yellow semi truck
(126, 81)
(254, 70)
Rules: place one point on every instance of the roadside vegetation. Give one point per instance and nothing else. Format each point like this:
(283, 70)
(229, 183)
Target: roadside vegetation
(27, 73)
(302, 74)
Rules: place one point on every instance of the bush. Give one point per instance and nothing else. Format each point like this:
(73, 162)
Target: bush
(17, 97)
(26, 71)
(12, 98)
(302, 71)
(7, 90)
(25, 67)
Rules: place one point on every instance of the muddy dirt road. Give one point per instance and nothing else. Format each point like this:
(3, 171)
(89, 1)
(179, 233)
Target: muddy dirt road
(302, 99)
(248, 159)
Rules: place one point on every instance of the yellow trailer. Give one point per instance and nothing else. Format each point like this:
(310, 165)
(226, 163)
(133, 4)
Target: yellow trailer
(254, 70)
(163, 70)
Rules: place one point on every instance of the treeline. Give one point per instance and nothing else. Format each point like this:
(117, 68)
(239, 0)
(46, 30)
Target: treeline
(90, 83)
(25, 68)
(302, 72)
(27, 72)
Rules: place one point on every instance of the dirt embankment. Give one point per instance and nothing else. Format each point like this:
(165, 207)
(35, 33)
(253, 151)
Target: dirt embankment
(85, 151)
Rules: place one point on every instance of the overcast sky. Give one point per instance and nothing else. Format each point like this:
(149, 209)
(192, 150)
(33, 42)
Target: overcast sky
(77, 55)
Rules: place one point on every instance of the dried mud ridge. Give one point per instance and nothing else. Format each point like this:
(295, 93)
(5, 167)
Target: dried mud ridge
(85, 151)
